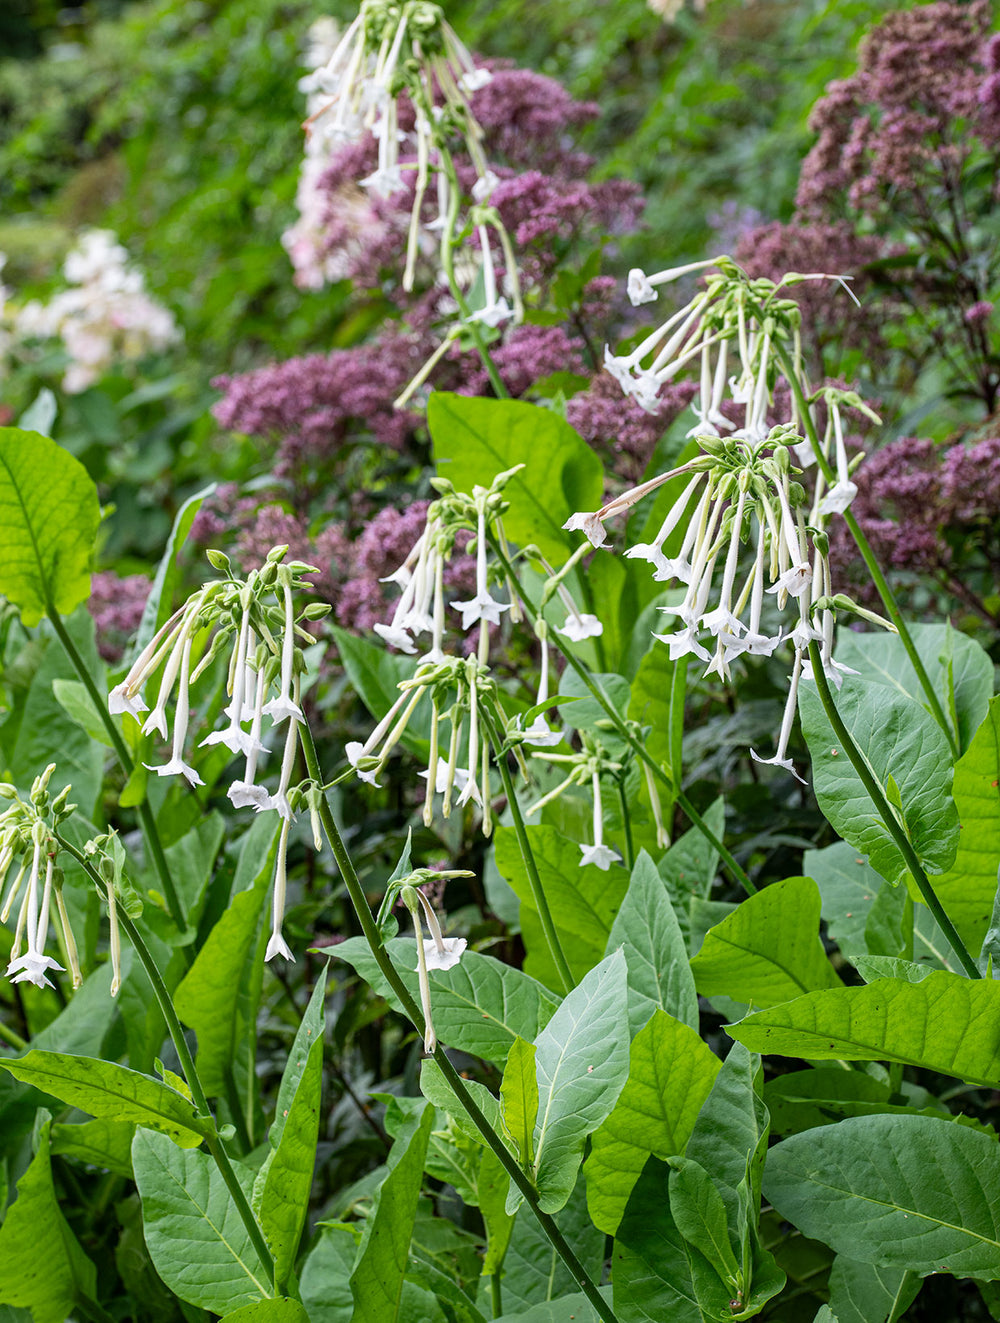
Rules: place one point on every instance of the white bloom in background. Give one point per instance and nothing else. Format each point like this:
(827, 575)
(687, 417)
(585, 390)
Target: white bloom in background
(598, 853)
(580, 625)
(106, 319)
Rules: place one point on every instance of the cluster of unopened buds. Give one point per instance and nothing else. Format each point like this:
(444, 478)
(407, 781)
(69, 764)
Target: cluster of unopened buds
(256, 618)
(408, 49)
(28, 835)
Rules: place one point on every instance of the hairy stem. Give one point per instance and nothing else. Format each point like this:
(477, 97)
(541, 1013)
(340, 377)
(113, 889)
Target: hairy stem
(885, 812)
(412, 1011)
(150, 831)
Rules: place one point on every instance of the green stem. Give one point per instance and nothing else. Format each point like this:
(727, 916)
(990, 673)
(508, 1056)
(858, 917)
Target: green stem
(621, 726)
(188, 1069)
(885, 812)
(13, 1040)
(627, 824)
(496, 1297)
(150, 832)
(412, 1011)
(539, 900)
(675, 722)
(867, 554)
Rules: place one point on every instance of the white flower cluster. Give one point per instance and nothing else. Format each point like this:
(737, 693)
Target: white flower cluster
(388, 50)
(264, 655)
(107, 316)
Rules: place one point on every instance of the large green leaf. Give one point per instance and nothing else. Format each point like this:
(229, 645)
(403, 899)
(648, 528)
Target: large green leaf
(960, 671)
(378, 1278)
(671, 1072)
(730, 1126)
(480, 1005)
(649, 1266)
(269, 1311)
(284, 1199)
(102, 1143)
(104, 1088)
(646, 927)
(324, 1283)
(475, 439)
(583, 901)
(194, 1235)
(575, 1308)
(49, 514)
(44, 1268)
(863, 1293)
(945, 1023)
(769, 949)
(899, 739)
(208, 998)
(519, 1098)
(967, 889)
(582, 1063)
(909, 1192)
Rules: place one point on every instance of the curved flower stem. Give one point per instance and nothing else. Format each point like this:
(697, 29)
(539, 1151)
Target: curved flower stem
(627, 826)
(150, 831)
(11, 1039)
(530, 865)
(676, 793)
(412, 1011)
(867, 554)
(198, 1097)
(885, 812)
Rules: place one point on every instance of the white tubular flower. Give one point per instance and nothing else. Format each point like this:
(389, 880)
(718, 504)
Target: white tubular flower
(598, 853)
(157, 719)
(482, 606)
(234, 737)
(780, 758)
(120, 700)
(439, 952)
(540, 732)
(277, 944)
(653, 551)
(443, 775)
(246, 793)
(33, 966)
(755, 642)
(279, 800)
(590, 524)
(844, 490)
(284, 706)
(177, 766)
(639, 288)
(580, 625)
(495, 310)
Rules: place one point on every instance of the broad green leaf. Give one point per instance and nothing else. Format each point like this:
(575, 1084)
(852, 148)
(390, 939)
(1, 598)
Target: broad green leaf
(208, 997)
(582, 1064)
(378, 1276)
(438, 1091)
(897, 737)
(49, 514)
(847, 885)
(102, 1143)
(583, 901)
(195, 1237)
(945, 1023)
(480, 1005)
(586, 712)
(862, 1293)
(159, 603)
(374, 673)
(700, 1215)
(519, 1099)
(690, 865)
(324, 1283)
(284, 1200)
(872, 968)
(475, 439)
(659, 975)
(650, 698)
(807, 1098)
(621, 589)
(769, 949)
(649, 1265)
(575, 1308)
(533, 1272)
(492, 1183)
(44, 1268)
(909, 1192)
(106, 1089)
(959, 670)
(75, 701)
(281, 1310)
(671, 1072)
(730, 1125)
(967, 889)
(192, 862)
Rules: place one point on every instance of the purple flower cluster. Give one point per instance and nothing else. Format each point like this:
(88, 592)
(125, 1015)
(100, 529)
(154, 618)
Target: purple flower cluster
(920, 81)
(611, 421)
(116, 604)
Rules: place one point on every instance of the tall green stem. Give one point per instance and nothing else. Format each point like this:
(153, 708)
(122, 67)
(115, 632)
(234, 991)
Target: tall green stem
(412, 1011)
(621, 726)
(530, 866)
(867, 554)
(627, 827)
(11, 1039)
(885, 812)
(188, 1068)
(150, 832)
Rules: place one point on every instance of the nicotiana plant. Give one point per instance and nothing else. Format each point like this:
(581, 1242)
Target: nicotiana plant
(590, 1131)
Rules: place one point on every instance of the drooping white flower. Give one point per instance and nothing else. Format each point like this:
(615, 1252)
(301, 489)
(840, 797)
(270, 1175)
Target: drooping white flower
(598, 853)
(177, 766)
(780, 758)
(639, 289)
(276, 943)
(590, 524)
(284, 706)
(580, 625)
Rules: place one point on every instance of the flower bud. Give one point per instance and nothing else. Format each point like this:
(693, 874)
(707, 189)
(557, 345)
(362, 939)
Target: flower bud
(218, 560)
